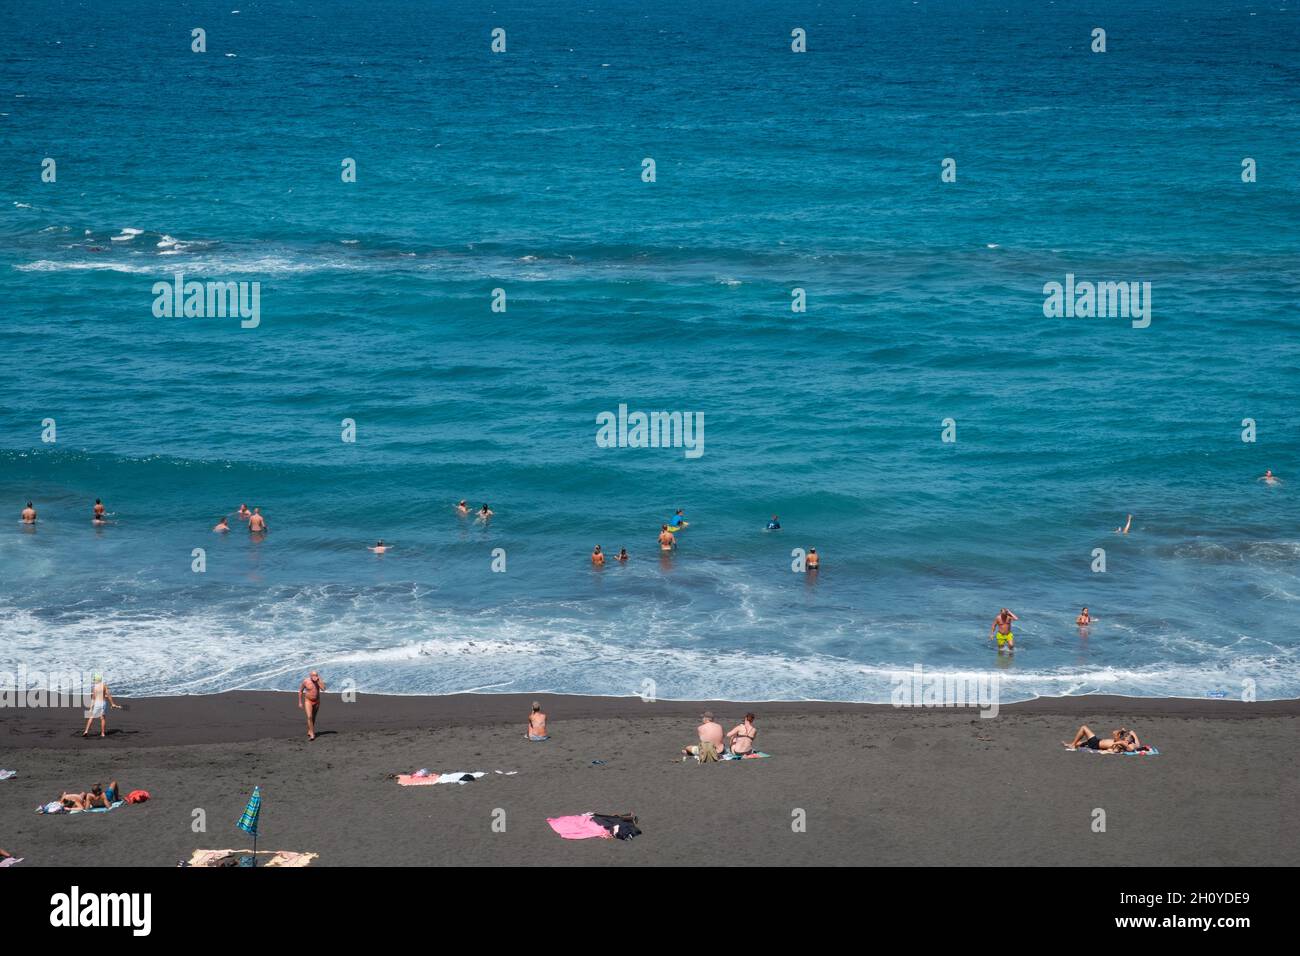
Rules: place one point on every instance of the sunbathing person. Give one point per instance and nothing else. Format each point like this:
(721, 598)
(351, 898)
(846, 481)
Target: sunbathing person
(536, 729)
(75, 801)
(1117, 742)
(741, 737)
(709, 735)
(99, 797)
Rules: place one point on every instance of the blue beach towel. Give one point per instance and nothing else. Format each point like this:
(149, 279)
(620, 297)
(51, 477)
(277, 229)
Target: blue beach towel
(754, 756)
(1150, 752)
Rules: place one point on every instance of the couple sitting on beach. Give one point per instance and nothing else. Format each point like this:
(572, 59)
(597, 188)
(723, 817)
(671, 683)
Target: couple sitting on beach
(1119, 741)
(714, 743)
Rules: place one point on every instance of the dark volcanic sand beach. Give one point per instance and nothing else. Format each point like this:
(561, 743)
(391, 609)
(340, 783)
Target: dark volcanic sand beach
(878, 785)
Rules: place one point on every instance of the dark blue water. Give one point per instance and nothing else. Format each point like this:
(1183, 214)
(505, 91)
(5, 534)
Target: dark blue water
(775, 171)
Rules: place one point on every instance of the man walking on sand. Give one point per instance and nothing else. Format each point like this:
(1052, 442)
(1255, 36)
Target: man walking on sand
(312, 686)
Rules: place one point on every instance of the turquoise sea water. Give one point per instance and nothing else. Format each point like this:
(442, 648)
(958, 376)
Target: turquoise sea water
(775, 170)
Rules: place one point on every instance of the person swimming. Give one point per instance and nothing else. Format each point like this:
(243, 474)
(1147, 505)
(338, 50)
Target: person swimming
(814, 561)
(598, 557)
(1269, 478)
(29, 514)
(380, 547)
(1127, 524)
(222, 525)
(462, 507)
(1084, 618)
(622, 554)
(243, 513)
(678, 520)
(99, 508)
(485, 512)
(666, 540)
(774, 524)
(256, 523)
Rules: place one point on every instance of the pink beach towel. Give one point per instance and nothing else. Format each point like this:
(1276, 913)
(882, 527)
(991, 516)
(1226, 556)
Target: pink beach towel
(411, 780)
(578, 828)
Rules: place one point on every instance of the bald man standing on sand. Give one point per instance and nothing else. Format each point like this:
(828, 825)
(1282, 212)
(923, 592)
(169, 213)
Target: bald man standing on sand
(312, 686)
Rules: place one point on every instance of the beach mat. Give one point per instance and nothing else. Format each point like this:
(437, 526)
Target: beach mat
(11, 860)
(224, 858)
(1152, 752)
(456, 776)
(113, 806)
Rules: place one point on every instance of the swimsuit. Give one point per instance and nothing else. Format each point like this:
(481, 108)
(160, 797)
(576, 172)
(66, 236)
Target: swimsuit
(1004, 638)
(1092, 743)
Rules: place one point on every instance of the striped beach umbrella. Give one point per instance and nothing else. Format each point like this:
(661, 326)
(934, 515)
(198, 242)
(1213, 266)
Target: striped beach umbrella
(248, 822)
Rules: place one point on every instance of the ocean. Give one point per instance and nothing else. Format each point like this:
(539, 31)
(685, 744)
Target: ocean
(773, 171)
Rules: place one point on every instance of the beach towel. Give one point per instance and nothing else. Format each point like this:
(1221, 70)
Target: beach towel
(6, 774)
(580, 827)
(11, 860)
(224, 858)
(427, 778)
(752, 755)
(1149, 752)
(55, 807)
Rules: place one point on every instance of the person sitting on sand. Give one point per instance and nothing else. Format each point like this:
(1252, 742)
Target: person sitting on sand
(774, 524)
(99, 797)
(380, 547)
(29, 514)
(100, 698)
(622, 555)
(536, 729)
(1084, 618)
(666, 540)
(312, 687)
(709, 735)
(222, 525)
(598, 557)
(1127, 524)
(1117, 742)
(256, 523)
(1002, 630)
(741, 737)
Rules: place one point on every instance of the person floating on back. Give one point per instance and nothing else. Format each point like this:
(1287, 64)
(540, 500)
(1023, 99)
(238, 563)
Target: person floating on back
(311, 689)
(536, 729)
(1002, 630)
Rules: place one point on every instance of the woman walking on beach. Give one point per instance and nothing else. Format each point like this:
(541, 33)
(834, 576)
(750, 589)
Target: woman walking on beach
(100, 698)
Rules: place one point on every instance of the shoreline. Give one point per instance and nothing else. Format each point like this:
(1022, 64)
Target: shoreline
(264, 714)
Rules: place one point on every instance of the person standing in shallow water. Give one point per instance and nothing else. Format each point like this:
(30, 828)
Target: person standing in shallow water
(309, 695)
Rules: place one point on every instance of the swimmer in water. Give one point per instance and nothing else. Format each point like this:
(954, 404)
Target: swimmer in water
(29, 514)
(243, 513)
(1269, 478)
(598, 557)
(380, 547)
(677, 520)
(1127, 524)
(485, 512)
(1084, 618)
(99, 508)
(256, 523)
(462, 507)
(622, 555)
(666, 540)
(814, 562)
(222, 525)
(99, 519)
(774, 524)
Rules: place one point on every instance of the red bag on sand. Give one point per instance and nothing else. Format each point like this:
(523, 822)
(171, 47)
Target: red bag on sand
(137, 796)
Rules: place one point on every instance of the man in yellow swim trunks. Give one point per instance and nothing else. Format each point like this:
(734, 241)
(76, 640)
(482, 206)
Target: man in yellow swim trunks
(1002, 630)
